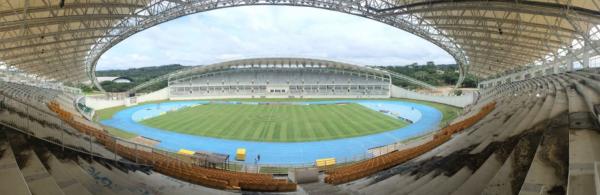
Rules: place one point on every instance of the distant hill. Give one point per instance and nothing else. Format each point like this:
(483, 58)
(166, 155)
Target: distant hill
(437, 75)
(138, 76)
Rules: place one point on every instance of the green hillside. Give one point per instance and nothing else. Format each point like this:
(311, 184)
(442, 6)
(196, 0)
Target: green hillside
(437, 75)
(138, 76)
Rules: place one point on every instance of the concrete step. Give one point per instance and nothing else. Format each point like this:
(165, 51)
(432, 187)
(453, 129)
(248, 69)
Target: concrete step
(91, 184)
(474, 184)
(527, 122)
(509, 178)
(412, 185)
(431, 185)
(583, 152)
(507, 125)
(12, 179)
(388, 185)
(323, 188)
(141, 183)
(584, 141)
(547, 173)
(37, 177)
(118, 183)
(453, 182)
(167, 185)
(581, 184)
(68, 184)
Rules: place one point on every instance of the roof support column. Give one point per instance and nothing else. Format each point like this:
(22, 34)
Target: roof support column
(570, 64)
(586, 55)
(556, 68)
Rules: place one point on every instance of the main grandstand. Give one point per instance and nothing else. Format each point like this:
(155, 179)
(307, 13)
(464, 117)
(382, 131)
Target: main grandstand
(534, 128)
(280, 77)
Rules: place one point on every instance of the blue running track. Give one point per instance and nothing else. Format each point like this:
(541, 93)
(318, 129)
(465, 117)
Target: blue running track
(426, 119)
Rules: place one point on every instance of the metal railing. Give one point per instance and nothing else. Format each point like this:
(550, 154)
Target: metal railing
(46, 126)
(369, 154)
(87, 112)
(61, 135)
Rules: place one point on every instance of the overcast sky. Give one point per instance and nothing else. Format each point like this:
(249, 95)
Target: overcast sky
(271, 31)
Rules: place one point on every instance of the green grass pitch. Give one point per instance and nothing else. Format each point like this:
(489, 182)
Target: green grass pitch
(276, 123)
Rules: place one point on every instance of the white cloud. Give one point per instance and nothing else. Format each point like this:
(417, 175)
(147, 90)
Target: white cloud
(263, 31)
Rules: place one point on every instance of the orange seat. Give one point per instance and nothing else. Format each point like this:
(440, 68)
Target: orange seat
(364, 168)
(168, 165)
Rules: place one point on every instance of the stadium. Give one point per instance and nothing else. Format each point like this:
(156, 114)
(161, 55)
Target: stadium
(287, 110)
(286, 125)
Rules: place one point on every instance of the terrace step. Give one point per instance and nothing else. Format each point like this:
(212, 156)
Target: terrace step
(415, 183)
(584, 141)
(452, 183)
(323, 188)
(388, 185)
(510, 176)
(473, 185)
(548, 169)
(10, 174)
(117, 182)
(37, 177)
(86, 180)
(431, 185)
(68, 184)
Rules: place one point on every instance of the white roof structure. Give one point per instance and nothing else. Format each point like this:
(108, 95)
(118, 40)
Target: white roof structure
(276, 62)
(102, 79)
(63, 39)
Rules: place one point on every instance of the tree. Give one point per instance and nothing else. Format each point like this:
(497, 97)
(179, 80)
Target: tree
(138, 76)
(420, 74)
(470, 82)
(85, 88)
(433, 74)
(110, 86)
(458, 92)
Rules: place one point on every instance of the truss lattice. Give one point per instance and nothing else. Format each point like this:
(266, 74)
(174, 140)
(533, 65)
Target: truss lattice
(64, 41)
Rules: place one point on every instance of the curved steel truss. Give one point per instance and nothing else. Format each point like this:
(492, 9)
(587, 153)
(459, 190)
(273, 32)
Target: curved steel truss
(162, 11)
(63, 41)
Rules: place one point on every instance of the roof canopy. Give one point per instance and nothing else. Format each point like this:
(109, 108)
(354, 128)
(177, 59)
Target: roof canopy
(63, 39)
(275, 63)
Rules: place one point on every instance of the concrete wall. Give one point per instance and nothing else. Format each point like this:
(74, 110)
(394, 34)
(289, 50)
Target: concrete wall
(162, 94)
(396, 92)
(459, 101)
(98, 103)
